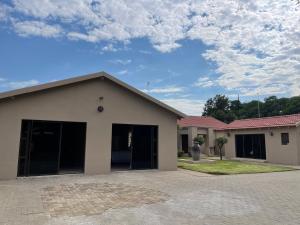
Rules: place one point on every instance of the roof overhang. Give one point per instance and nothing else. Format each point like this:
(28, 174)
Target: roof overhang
(258, 128)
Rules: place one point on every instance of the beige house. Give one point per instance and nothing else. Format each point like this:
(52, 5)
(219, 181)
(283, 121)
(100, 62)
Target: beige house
(193, 126)
(89, 124)
(273, 139)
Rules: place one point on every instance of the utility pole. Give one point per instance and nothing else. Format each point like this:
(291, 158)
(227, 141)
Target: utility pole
(239, 106)
(258, 106)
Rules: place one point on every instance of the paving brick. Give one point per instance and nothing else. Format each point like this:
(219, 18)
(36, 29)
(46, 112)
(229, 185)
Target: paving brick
(152, 197)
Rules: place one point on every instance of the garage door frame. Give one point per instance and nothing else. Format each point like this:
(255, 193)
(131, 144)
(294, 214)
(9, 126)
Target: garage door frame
(24, 154)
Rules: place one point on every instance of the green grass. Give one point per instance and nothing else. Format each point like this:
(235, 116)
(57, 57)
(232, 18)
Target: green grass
(227, 167)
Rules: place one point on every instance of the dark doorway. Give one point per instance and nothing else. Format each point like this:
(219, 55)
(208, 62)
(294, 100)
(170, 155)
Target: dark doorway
(250, 146)
(185, 143)
(51, 147)
(134, 147)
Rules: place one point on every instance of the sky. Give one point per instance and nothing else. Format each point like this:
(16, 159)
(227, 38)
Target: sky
(181, 52)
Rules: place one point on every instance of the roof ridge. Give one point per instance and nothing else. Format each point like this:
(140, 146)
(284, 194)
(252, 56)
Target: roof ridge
(286, 115)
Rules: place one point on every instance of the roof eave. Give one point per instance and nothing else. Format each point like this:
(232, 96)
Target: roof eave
(263, 127)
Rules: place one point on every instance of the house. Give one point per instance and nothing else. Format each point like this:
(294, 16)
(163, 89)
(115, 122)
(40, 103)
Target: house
(274, 139)
(193, 126)
(89, 124)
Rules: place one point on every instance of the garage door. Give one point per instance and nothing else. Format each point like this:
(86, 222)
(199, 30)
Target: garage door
(134, 147)
(51, 147)
(250, 146)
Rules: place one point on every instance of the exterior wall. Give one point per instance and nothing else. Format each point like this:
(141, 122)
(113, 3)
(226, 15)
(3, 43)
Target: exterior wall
(275, 151)
(192, 132)
(78, 103)
(210, 141)
(298, 146)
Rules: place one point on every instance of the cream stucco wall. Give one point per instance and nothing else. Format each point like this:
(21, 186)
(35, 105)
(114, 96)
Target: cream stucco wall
(275, 151)
(192, 132)
(78, 103)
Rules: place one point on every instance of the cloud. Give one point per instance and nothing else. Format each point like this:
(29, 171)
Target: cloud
(145, 52)
(17, 84)
(166, 47)
(204, 82)
(123, 62)
(187, 106)
(4, 12)
(109, 48)
(164, 90)
(36, 28)
(253, 44)
(122, 72)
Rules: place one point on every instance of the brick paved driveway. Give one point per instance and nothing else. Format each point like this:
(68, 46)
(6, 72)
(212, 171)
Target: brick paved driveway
(151, 197)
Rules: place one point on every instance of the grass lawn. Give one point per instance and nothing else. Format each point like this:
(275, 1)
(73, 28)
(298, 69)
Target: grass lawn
(227, 167)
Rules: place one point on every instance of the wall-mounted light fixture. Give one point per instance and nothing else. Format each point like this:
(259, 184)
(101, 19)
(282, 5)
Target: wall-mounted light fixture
(100, 107)
(228, 134)
(271, 133)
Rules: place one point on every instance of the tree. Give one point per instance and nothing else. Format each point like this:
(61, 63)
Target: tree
(221, 141)
(235, 107)
(219, 108)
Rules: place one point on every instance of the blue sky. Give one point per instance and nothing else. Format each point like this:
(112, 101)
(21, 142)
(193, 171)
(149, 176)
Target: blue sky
(181, 52)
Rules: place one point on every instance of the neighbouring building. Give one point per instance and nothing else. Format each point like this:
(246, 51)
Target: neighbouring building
(274, 139)
(89, 124)
(193, 126)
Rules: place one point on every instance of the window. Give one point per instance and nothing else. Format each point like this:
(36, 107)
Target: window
(285, 138)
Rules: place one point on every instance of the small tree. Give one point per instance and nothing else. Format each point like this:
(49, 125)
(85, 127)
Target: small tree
(199, 140)
(221, 141)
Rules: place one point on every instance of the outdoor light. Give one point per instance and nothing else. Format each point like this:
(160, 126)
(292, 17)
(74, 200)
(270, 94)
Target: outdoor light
(100, 108)
(228, 134)
(271, 133)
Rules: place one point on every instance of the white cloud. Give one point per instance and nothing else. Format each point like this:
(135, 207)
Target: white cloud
(204, 82)
(145, 52)
(166, 47)
(254, 44)
(37, 28)
(123, 62)
(109, 48)
(17, 84)
(186, 105)
(122, 72)
(164, 90)
(4, 12)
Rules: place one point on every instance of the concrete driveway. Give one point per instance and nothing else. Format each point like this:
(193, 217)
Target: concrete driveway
(152, 197)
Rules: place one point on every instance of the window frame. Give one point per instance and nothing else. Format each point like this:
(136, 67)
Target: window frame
(285, 138)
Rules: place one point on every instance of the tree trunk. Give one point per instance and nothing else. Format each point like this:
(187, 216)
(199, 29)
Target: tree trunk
(220, 151)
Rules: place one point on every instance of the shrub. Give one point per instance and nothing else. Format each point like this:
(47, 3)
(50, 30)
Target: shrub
(199, 140)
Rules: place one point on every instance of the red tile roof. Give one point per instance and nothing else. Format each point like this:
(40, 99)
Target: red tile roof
(201, 121)
(275, 121)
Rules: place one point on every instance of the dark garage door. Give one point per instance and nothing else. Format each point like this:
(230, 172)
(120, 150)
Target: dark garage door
(134, 147)
(250, 146)
(51, 147)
